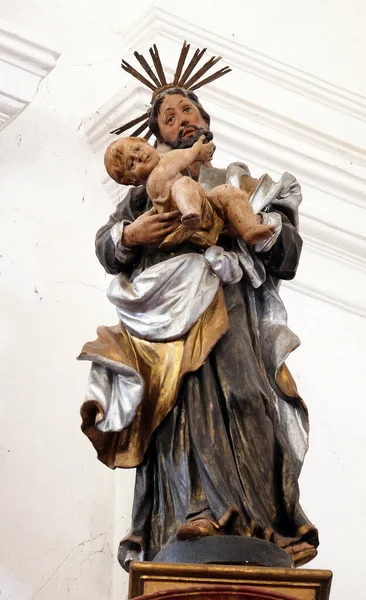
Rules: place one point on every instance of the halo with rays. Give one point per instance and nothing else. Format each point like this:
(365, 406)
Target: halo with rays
(183, 78)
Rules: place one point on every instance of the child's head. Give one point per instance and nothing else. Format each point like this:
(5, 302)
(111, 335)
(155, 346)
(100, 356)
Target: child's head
(130, 160)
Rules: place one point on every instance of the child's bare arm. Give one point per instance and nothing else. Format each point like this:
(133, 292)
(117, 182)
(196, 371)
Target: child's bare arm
(174, 162)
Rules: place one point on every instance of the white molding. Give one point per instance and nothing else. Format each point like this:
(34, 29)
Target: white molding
(270, 119)
(341, 245)
(316, 172)
(24, 62)
(350, 305)
(159, 21)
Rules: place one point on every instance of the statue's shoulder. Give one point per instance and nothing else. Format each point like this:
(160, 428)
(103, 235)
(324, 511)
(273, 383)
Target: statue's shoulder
(236, 170)
(211, 177)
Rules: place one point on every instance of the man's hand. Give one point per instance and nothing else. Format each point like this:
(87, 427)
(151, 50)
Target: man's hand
(204, 151)
(150, 228)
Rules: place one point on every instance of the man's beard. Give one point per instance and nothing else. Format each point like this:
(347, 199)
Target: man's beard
(187, 142)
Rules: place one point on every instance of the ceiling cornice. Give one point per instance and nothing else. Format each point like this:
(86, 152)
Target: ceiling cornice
(24, 62)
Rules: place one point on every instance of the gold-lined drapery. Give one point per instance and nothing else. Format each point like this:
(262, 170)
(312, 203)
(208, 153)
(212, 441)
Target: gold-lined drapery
(162, 366)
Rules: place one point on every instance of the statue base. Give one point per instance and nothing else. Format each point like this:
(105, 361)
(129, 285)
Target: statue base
(163, 581)
(229, 550)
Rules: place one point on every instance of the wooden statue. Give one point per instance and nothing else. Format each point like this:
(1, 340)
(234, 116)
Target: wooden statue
(191, 386)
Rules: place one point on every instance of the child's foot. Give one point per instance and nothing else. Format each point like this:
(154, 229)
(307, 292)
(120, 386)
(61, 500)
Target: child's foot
(258, 233)
(191, 220)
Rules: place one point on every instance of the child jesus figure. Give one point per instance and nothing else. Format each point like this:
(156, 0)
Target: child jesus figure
(133, 161)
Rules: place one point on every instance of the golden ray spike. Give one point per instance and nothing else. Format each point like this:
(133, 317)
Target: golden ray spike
(211, 78)
(145, 65)
(123, 128)
(148, 135)
(157, 62)
(181, 61)
(126, 67)
(140, 129)
(194, 60)
(206, 67)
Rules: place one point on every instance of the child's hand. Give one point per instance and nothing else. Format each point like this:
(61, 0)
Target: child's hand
(205, 151)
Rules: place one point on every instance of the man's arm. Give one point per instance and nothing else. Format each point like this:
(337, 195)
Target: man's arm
(282, 259)
(280, 253)
(134, 224)
(109, 248)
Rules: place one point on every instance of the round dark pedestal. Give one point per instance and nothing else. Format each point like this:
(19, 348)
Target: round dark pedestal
(227, 550)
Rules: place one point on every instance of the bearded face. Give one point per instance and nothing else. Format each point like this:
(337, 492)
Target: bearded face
(180, 122)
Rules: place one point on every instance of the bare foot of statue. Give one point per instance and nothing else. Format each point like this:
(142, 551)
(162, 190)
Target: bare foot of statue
(301, 553)
(197, 528)
(191, 220)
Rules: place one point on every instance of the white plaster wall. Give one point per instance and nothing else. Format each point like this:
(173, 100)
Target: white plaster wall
(63, 512)
(328, 368)
(57, 502)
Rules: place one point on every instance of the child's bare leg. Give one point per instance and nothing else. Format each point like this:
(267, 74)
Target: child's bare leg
(238, 211)
(189, 199)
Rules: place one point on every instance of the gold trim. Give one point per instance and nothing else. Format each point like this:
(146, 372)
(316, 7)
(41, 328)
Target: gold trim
(304, 584)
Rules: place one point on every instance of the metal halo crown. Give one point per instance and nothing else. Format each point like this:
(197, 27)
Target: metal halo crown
(158, 83)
